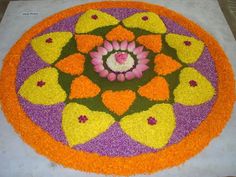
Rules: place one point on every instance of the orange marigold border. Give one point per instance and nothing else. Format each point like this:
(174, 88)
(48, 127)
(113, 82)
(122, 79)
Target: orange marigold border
(166, 158)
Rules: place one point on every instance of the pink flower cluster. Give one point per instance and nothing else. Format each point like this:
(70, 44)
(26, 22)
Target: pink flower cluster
(122, 66)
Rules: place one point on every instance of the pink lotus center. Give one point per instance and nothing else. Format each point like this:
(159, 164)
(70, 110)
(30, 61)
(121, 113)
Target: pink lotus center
(121, 57)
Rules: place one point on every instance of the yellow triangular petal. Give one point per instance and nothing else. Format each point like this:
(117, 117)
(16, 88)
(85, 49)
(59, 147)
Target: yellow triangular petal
(93, 19)
(188, 49)
(153, 127)
(42, 88)
(49, 46)
(80, 124)
(148, 21)
(193, 89)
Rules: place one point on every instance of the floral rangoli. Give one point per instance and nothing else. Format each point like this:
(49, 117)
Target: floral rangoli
(117, 88)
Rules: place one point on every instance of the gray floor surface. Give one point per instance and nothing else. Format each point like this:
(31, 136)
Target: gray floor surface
(17, 159)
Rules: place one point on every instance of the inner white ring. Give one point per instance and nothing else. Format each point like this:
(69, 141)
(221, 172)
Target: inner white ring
(117, 67)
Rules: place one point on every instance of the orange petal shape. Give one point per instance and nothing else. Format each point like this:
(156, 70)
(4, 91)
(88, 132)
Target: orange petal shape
(156, 90)
(83, 87)
(118, 101)
(86, 42)
(165, 64)
(152, 42)
(73, 64)
(119, 33)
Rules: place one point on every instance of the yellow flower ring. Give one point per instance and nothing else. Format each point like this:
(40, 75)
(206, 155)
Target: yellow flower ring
(108, 89)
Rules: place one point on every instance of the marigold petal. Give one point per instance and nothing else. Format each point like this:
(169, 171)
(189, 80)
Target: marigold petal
(152, 42)
(87, 42)
(118, 101)
(165, 64)
(73, 64)
(119, 33)
(83, 87)
(156, 90)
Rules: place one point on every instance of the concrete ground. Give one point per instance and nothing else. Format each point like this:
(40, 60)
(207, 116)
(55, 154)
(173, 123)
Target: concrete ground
(228, 7)
(217, 160)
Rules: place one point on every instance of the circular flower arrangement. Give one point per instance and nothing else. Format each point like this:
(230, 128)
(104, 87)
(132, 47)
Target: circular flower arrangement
(134, 90)
(120, 65)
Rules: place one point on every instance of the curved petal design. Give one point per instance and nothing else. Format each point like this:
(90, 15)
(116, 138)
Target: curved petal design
(152, 42)
(80, 124)
(86, 42)
(49, 46)
(73, 64)
(118, 101)
(165, 64)
(120, 33)
(83, 87)
(42, 88)
(188, 49)
(93, 19)
(193, 89)
(155, 90)
(153, 127)
(148, 21)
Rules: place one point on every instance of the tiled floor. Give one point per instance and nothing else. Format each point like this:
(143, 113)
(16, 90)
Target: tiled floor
(227, 6)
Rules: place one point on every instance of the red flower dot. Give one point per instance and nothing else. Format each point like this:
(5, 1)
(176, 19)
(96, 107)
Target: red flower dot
(41, 83)
(187, 43)
(82, 118)
(95, 17)
(48, 40)
(193, 83)
(152, 121)
(145, 18)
